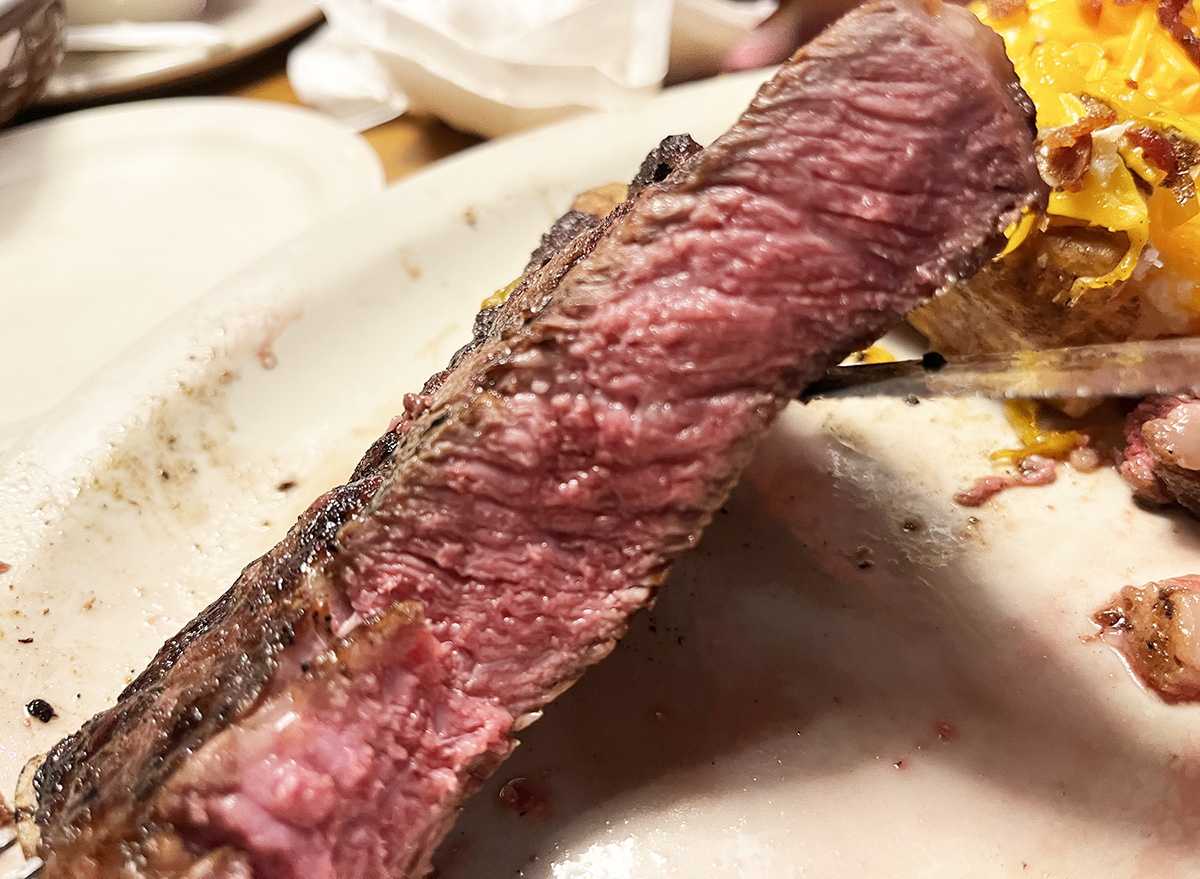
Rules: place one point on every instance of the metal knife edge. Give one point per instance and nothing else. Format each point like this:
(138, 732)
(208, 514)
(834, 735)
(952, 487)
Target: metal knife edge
(1117, 369)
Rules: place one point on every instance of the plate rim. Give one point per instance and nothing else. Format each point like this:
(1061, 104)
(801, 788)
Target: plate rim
(185, 107)
(59, 92)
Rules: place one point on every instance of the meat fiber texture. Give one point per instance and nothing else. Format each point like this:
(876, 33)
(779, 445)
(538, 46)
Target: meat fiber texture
(1161, 459)
(329, 714)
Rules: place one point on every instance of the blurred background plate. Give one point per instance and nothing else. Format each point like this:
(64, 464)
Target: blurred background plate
(116, 217)
(250, 26)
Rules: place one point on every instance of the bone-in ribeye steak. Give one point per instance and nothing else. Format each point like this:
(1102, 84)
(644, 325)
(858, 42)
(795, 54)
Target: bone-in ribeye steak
(327, 716)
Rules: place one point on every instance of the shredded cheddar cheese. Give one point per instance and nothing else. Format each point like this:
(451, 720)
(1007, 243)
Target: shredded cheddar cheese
(874, 354)
(500, 295)
(1018, 231)
(1069, 54)
(1035, 439)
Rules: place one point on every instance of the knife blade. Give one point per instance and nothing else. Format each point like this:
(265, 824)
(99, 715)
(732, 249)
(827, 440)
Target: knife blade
(1118, 369)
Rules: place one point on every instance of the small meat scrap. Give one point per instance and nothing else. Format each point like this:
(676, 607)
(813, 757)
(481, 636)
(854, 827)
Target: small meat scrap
(1033, 470)
(1161, 461)
(1155, 628)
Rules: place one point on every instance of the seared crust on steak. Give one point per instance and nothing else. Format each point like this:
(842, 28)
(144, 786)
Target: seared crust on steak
(671, 154)
(327, 716)
(1161, 459)
(198, 683)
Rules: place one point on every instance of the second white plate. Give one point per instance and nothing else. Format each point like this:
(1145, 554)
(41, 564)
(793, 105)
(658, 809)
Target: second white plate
(250, 26)
(114, 218)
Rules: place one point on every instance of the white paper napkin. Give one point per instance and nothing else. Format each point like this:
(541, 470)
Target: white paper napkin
(496, 66)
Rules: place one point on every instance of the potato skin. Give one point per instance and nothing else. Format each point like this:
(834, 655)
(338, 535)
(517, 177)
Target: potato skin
(1020, 300)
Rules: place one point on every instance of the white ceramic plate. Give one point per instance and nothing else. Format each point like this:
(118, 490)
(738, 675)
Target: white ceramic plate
(115, 218)
(913, 694)
(250, 26)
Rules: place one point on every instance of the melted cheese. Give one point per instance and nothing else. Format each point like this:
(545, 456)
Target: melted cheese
(1035, 439)
(1065, 49)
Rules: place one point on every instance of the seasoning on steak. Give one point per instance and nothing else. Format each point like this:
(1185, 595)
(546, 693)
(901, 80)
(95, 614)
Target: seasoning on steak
(329, 714)
(1161, 461)
(1158, 633)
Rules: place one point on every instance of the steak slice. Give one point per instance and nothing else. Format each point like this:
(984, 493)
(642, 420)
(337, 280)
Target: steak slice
(1161, 460)
(1154, 627)
(328, 715)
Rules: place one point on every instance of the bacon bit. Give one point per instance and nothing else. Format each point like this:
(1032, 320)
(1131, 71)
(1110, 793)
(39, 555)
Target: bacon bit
(1187, 156)
(1065, 167)
(1034, 470)
(5, 567)
(1155, 627)
(1005, 8)
(1172, 152)
(1170, 16)
(1154, 146)
(1064, 154)
(1099, 115)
